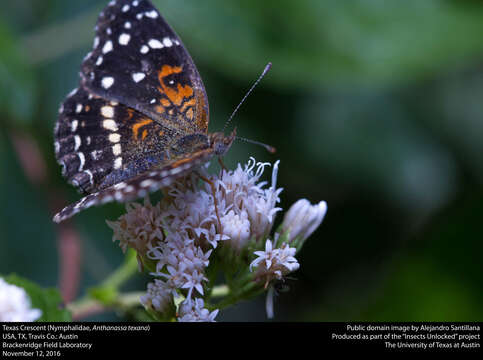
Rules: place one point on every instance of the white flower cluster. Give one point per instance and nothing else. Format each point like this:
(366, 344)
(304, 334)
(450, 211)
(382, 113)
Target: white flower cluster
(194, 311)
(249, 209)
(181, 232)
(15, 304)
(274, 264)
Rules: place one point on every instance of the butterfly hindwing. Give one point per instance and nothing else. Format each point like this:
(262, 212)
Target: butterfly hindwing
(100, 142)
(138, 186)
(139, 61)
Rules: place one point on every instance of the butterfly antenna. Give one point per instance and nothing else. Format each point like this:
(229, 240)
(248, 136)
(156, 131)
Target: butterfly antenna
(269, 148)
(267, 68)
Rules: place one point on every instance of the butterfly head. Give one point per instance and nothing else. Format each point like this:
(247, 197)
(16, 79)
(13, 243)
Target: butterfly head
(221, 143)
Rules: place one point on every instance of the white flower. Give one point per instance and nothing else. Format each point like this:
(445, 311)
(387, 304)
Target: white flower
(180, 262)
(194, 311)
(237, 228)
(240, 191)
(139, 227)
(15, 304)
(158, 296)
(195, 212)
(302, 219)
(274, 264)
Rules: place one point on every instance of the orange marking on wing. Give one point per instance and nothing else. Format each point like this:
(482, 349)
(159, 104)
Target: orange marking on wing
(130, 113)
(169, 70)
(139, 124)
(201, 115)
(189, 114)
(160, 109)
(175, 96)
(165, 102)
(145, 133)
(161, 133)
(188, 103)
(183, 92)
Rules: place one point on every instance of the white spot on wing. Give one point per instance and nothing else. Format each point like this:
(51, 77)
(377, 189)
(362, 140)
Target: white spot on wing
(72, 93)
(120, 185)
(144, 49)
(116, 149)
(127, 25)
(91, 177)
(73, 125)
(107, 82)
(99, 60)
(78, 108)
(137, 77)
(124, 39)
(107, 111)
(82, 160)
(153, 14)
(107, 47)
(155, 44)
(167, 42)
(110, 125)
(88, 55)
(77, 141)
(146, 183)
(118, 163)
(114, 138)
(125, 8)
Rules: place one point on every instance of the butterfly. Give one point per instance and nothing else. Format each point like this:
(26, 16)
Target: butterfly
(139, 118)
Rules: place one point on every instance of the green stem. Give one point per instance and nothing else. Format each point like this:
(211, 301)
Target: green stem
(123, 273)
(88, 306)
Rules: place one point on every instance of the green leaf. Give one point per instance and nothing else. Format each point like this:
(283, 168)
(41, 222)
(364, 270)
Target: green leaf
(47, 300)
(105, 294)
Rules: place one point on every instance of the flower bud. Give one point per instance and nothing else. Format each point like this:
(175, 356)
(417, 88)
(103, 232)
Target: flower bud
(302, 219)
(237, 227)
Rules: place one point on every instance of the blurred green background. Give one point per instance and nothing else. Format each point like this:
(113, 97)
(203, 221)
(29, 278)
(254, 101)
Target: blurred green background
(375, 106)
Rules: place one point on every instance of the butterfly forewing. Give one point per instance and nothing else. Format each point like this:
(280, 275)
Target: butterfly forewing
(138, 60)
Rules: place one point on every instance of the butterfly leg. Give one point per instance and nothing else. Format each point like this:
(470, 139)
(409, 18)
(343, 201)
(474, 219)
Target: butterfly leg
(213, 190)
(220, 160)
